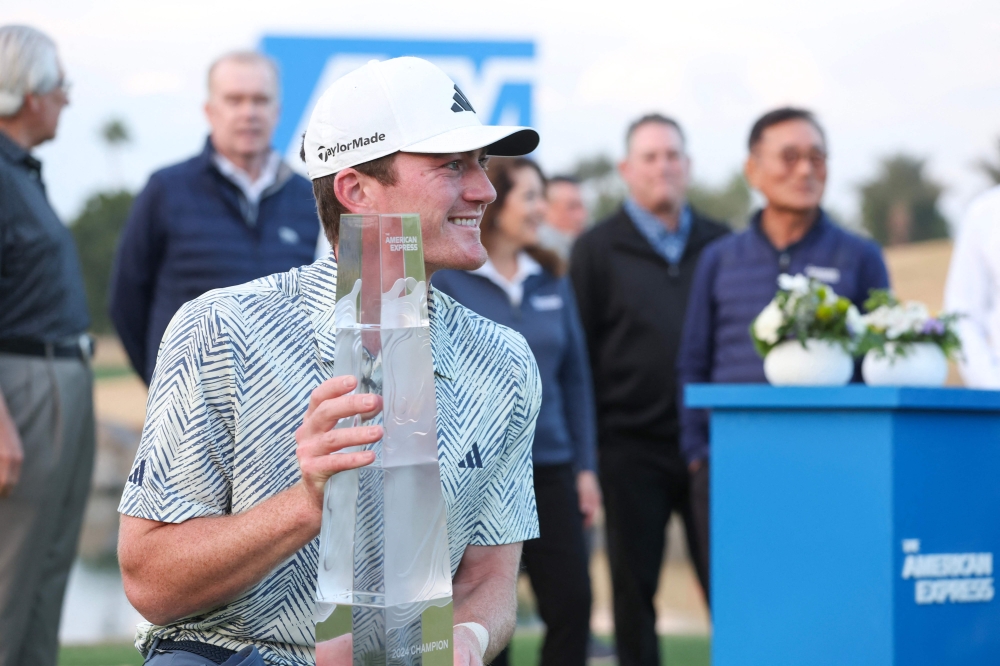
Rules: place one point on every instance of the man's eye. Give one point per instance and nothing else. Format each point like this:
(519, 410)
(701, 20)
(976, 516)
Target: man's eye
(485, 163)
(454, 165)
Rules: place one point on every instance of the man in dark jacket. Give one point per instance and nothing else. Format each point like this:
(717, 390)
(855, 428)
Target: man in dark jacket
(737, 277)
(232, 214)
(632, 273)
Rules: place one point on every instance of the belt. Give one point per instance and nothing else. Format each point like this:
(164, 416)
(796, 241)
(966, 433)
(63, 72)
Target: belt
(214, 653)
(81, 348)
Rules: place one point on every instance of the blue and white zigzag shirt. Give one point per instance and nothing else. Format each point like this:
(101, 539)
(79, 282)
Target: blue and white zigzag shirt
(232, 383)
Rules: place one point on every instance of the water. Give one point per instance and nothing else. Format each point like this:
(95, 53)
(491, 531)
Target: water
(95, 609)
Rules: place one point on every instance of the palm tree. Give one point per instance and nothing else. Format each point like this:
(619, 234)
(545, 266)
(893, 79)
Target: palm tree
(116, 135)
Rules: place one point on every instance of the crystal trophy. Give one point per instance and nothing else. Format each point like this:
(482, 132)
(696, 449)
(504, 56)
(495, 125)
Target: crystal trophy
(383, 543)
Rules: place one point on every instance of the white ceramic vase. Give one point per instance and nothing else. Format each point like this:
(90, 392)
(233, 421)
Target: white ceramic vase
(818, 363)
(924, 364)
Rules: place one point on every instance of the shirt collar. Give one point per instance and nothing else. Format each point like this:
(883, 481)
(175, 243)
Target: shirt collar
(514, 287)
(821, 223)
(252, 189)
(651, 226)
(18, 155)
(318, 290)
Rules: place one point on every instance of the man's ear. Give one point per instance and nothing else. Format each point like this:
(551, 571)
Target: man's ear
(349, 186)
(623, 169)
(750, 171)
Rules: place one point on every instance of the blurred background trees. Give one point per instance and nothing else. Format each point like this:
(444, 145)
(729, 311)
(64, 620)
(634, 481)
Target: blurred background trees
(604, 191)
(900, 203)
(729, 203)
(97, 228)
(990, 167)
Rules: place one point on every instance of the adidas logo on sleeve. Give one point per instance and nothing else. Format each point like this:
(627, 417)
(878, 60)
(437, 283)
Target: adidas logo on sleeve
(472, 459)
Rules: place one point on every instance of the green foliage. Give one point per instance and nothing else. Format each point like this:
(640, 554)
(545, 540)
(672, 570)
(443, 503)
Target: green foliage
(804, 309)
(115, 133)
(991, 168)
(900, 205)
(597, 166)
(96, 232)
(597, 174)
(729, 203)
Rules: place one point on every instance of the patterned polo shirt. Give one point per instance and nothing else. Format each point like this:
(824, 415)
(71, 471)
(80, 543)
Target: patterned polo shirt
(232, 383)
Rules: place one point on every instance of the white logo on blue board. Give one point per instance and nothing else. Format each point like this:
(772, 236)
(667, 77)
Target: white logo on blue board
(494, 76)
(942, 578)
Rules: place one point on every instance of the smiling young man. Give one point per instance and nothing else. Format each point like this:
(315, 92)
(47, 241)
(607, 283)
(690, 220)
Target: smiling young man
(218, 544)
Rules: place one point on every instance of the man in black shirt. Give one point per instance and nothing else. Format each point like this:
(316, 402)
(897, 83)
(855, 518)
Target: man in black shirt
(46, 387)
(632, 273)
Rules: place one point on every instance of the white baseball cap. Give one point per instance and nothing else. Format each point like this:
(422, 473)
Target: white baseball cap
(403, 104)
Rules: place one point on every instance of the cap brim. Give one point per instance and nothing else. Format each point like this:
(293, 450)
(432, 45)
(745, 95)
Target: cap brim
(500, 140)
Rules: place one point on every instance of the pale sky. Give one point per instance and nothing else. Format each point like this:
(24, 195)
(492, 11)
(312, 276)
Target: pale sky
(882, 75)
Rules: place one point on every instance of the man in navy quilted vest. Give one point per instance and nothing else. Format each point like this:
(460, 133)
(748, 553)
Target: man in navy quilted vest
(737, 275)
(221, 515)
(231, 214)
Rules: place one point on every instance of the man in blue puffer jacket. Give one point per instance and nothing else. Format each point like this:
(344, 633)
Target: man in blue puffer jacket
(230, 215)
(737, 275)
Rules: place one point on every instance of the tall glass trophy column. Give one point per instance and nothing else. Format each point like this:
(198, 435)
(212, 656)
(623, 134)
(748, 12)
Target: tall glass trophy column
(384, 544)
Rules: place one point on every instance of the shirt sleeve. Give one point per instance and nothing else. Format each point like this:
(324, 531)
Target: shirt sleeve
(694, 358)
(184, 466)
(137, 262)
(508, 513)
(968, 293)
(577, 389)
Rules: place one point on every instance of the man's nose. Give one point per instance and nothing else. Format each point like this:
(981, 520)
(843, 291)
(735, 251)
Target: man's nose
(478, 187)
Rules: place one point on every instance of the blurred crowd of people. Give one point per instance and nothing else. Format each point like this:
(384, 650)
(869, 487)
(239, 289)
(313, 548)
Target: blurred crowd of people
(620, 316)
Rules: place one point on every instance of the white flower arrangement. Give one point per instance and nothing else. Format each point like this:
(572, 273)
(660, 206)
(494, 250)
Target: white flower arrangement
(890, 326)
(805, 309)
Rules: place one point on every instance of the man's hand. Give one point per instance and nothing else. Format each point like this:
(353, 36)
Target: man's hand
(337, 651)
(11, 451)
(317, 438)
(589, 492)
(466, 648)
(694, 466)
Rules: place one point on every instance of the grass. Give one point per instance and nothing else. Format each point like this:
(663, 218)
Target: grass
(112, 371)
(674, 650)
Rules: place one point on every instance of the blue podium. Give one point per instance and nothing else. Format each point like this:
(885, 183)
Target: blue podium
(853, 525)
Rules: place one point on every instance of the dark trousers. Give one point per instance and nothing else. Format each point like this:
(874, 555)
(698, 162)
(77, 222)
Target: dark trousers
(557, 565)
(699, 509)
(643, 483)
(51, 403)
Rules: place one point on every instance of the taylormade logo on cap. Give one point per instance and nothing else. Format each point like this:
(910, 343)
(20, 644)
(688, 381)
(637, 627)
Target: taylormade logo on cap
(325, 153)
(400, 105)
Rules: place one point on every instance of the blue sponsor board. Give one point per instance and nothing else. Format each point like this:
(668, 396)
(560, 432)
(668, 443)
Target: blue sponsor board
(853, 525)
(497, 76)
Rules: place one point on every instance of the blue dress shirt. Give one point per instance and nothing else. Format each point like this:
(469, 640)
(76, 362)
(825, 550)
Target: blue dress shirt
(668, 244)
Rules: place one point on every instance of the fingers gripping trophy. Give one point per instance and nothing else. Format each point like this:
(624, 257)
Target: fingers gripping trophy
(385, 547)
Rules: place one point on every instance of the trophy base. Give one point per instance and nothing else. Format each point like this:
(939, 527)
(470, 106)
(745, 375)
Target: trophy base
(414, 634)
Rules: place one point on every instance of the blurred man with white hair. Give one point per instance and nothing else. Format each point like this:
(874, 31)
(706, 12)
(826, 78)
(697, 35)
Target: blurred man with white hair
(233, 213)
(46, 387)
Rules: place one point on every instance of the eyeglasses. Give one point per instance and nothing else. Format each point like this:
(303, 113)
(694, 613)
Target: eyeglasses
(791, 157)
(62, 85)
